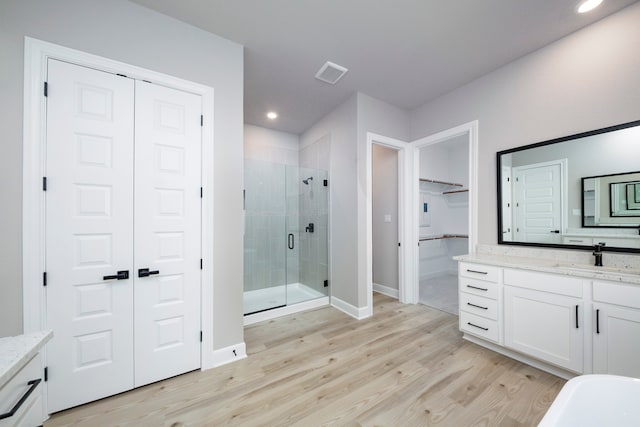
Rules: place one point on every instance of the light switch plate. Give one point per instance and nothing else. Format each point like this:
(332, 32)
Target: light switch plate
(387, 218)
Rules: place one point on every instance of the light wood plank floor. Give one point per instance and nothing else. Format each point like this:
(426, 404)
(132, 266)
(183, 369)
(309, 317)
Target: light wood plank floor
(405, 366)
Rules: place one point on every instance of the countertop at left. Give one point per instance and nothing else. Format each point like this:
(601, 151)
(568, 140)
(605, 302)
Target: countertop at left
(16, 352)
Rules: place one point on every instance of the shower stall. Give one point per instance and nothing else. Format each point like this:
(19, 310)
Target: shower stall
(286, 235)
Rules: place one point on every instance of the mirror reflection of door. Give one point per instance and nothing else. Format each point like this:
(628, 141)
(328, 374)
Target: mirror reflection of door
(507, 219)
(538, 203)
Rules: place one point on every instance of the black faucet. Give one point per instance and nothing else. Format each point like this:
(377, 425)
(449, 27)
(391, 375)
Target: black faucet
(597, 252)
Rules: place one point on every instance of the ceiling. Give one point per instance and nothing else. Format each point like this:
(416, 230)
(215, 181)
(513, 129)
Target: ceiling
(403, 52)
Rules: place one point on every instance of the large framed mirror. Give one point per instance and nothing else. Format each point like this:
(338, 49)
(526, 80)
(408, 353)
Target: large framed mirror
(572, 192)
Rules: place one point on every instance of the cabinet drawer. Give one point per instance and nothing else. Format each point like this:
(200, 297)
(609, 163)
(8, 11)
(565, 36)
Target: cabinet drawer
(479, 326)
(556, 284)
(478, 287)
(30, 413)
(481, 306)
(613, 293)
(480, 272)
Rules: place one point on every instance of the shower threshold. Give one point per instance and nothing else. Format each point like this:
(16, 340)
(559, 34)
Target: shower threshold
(269, 303)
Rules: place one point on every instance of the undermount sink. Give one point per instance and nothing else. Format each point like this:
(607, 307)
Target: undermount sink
(596, 400)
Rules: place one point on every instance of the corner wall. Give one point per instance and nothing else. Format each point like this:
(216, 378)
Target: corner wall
(585, 81)
(126, 32)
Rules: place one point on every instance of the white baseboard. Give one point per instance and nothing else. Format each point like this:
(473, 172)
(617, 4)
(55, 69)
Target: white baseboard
(353, 311)
(385, 290)
(226, 355)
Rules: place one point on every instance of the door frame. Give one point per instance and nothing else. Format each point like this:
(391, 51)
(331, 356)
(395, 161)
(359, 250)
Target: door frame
(405, 219)
(470, 129)
(36, 55)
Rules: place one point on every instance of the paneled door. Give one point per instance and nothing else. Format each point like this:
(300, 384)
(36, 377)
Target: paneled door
(89, 223)
(538, 203)
(122, 233)
(167, 232)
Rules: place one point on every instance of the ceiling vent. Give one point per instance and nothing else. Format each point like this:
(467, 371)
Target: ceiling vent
(331, 73)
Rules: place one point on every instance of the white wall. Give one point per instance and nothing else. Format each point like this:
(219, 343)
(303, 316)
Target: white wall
(340, 125)
(383, 119)
(585, 81)
(385, 202)
(129, 33)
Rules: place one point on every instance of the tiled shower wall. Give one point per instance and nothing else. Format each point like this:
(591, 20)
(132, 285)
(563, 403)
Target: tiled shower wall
(278, 203)
(314, 208)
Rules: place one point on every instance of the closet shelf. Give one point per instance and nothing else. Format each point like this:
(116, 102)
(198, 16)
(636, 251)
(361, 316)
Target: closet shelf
(440, 186)
(455, 191)
(444, 236)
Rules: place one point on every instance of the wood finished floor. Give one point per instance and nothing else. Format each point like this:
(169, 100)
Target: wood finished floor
(405, 366)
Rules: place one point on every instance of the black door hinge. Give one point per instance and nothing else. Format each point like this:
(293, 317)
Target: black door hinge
(201, 192)
(200, 336)
(325, 182)
(201, 120)
(44, 183)
(44, 279)
(46, 89)
(326, 283)
(200, 263)
(46, 374)
(399, 244)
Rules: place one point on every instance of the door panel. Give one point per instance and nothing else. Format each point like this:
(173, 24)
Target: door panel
(167, 232)
(89, 225)
(538, 203)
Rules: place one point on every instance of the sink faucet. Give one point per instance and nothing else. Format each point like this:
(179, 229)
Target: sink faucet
(597, 252)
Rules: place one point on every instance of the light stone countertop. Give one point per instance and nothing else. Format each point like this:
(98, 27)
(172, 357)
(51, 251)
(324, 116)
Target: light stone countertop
(16, 352)
(615, 274)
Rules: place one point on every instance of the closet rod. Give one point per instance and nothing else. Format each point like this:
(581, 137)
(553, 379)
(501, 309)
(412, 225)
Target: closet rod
(445, 236)
(435, 181)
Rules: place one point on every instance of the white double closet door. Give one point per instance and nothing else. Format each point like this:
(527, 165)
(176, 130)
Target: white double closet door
(123, 240)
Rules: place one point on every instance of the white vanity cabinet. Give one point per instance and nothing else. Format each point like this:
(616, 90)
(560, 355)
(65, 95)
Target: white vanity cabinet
(22, 380)
(616, 329)
(21, 397)
(564, 321)
(543, 317)
(479, 298)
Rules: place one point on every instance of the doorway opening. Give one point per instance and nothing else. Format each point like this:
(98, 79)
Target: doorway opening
(445, 174)
(385, 221)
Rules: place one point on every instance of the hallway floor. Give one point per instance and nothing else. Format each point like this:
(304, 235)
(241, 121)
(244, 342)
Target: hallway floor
(440, 292)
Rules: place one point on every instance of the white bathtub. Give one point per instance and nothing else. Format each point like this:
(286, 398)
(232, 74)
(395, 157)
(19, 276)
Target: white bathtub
(596, 400)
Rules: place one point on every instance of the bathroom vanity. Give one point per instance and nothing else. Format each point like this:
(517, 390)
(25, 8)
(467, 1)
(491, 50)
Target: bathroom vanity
(562, 317)
(22, 380)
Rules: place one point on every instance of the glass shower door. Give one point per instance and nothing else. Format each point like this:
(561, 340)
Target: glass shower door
(264, 242)
(313, 267)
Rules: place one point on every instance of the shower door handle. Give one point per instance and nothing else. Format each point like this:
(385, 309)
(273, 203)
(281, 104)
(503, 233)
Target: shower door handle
(291, 241)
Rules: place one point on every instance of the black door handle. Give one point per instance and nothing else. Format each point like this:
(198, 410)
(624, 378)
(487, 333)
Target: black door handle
(122, 275)
(144, 272)
(291, 241)
(555, 231)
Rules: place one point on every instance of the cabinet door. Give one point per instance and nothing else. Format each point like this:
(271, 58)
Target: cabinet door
(545, 326)
(616, 343)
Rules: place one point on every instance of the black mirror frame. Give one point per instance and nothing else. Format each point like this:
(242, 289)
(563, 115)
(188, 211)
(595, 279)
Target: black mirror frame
(542, 144)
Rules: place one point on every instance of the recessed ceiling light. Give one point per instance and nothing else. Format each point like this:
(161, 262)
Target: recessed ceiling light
(588, 5)
(272, 115)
